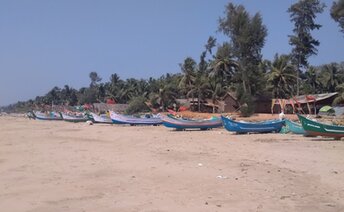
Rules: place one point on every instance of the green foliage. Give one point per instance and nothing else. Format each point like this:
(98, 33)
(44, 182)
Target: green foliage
(247, 105)
(87, 95)
(303, 14)
(281, 77)
(199, 88)
(164, 97)
(223, 67)
(215, 91)
(330, 77)
(188, 68)
(247, 37)
(210, 44)
(311, 78)
(95, 79)
(337, 13)
(137, 105)
(340, 98)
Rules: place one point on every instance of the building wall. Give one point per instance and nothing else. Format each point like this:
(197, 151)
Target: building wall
(264, 107)
(231, 104)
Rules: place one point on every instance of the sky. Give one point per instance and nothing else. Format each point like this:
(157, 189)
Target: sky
(47, 43)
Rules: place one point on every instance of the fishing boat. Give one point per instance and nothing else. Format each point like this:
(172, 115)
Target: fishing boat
(246, 127)
(294, 127)
(123, 119)
(171, 121)
(316, 128)
(49, 116)
(75, 117)
(29, 115)
(102, 118)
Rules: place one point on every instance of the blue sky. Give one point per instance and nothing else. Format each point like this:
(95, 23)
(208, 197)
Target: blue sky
(47, 43)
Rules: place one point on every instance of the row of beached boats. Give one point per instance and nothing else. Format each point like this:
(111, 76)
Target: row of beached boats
(307, 126)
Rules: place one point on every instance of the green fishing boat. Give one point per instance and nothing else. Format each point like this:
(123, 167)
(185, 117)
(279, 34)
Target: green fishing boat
(294, 127)
(315, 128)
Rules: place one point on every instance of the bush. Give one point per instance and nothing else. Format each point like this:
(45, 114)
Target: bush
(247, 105)
(137, 105)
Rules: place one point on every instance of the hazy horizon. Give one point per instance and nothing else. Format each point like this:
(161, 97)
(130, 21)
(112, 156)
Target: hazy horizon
(47, 43)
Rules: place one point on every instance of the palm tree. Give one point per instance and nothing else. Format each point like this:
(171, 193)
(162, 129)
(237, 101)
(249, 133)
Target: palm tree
(113, 87)
(127, 91)
(95, 78)
(188, 69)
(340, 98)
(312, 78)
(337, 13)
(303, 14)
(281, 77)
(68, 95)
(101, 93)
(211, 43)
(331, 76)
(142, 88)
(53, 96)
(215, 91)
(223, 65)
(164, 97)
(200, 88)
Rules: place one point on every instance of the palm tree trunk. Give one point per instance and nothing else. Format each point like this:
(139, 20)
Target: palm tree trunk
(243, 76)
(247, 87)
(162, 106)
(193, 101)
(297, 76)
(199, 102)
(244, 85)
(213, 105)
(297, 83)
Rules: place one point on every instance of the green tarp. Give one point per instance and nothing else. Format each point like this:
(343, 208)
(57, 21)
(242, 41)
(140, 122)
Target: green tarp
(326, 109)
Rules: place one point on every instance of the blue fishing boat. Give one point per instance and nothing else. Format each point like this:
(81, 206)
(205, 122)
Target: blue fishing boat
(131, 120)
(294, 127)
(246, 127)
(47, 116)
(180, 124)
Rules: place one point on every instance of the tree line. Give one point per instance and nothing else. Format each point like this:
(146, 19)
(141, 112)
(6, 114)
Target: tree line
(235, 65)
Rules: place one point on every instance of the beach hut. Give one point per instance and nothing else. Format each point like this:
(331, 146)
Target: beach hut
(304, 104)
(229, 103)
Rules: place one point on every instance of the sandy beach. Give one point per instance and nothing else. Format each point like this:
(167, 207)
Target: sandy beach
(60, 166)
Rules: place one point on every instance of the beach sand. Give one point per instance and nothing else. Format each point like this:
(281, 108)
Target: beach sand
(60, 166)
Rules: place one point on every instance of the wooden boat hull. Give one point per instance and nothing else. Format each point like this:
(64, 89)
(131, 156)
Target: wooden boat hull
(294, 127)
(315, 128)
(256, 127)
(103, 119)
(122, 119)
(180, 124)
(70, 118)
(30, 115)
(51, 116)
